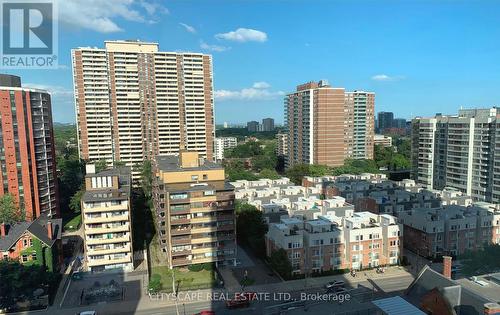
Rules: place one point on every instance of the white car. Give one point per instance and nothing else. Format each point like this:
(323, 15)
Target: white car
(88, 313)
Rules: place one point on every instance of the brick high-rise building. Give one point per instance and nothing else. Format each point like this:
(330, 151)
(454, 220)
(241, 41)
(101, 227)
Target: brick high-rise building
(326, 125)
(134, 102)
(27, 154)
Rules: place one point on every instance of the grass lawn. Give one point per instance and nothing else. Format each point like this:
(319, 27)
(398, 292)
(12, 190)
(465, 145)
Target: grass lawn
(73, 224)
(184, 278)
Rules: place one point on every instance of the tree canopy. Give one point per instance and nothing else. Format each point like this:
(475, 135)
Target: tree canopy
(280, 263)
(482, 261)
(298, 171)
(9, 210)
(251, 228)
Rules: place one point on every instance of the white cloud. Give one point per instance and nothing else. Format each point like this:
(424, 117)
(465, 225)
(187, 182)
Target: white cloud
(101, 15)
(189, 28)
(384, 77)
(261, 85)
(259, 91)
(243, 35)
(210, 47)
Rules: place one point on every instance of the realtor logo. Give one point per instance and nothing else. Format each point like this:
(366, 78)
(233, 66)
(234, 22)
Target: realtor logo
(29, 34)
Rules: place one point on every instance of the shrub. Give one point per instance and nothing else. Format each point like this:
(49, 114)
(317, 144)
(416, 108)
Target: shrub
(196, 267)
(155, 284)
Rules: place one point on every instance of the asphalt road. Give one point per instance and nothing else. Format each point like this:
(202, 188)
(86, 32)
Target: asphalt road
(380, 286)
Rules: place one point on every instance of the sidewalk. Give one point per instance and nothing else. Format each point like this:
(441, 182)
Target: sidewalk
(296, 285)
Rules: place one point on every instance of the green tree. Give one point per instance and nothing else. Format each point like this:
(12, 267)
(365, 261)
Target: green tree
(298, 171)
(269, 173)
(75, 201)
(248, 149)
(9, 211)
(147, 178)
(119, 163)
(280, 263)
(100, 165)
(251, 228)
(155, 284)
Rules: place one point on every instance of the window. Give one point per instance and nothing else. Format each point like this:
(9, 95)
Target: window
(194, 177)
(31, 242)
(24, 258)
(33, 256)
(25, 243)
(205, 176)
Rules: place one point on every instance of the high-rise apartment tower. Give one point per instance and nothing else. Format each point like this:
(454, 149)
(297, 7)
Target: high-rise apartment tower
(134, 102)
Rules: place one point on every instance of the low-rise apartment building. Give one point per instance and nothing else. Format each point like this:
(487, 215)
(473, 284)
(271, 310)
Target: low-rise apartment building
(450, 230)
(195, 210)
(337, 240)
(107, 219)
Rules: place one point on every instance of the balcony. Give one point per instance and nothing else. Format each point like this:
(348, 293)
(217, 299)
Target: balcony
(181, 241)
(97, 241)
(106, 230)
(108, 261)
(105, 251)
(105, 209)
(181, 262)
(180, 231)
(103, 219)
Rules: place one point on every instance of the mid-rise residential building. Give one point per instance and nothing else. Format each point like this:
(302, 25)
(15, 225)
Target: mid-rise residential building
(385, 120)
(223, 143)
(450, 230)
(27, 154)
(253, 126)
(382, 140)
(459, 151)
(134, 102)
(33, 243)
(107, 219)
(281, 144)
(352, 240)
(195, 210)
(267, 124)
(326, 125)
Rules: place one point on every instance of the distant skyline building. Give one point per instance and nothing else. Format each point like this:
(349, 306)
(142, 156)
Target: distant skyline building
(460, 151)
(382, 140)
(222, 144)
(399, 123)
(134, 102)
(267, 124)
(385, 120)
(27, 153)
(326, 125)
(253, 126)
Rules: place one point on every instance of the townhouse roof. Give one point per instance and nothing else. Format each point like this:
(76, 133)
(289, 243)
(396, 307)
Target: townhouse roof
(37, 228)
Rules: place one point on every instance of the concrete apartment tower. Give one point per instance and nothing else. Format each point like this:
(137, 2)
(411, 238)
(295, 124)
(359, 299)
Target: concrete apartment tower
(134, 102)
(195, 210)
(107, 219)
(27, 154)
(460, 151)
(326, 125)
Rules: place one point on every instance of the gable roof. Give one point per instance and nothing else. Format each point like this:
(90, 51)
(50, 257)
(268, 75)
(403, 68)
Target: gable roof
(14, 232)
(461, 299)
(37, 228)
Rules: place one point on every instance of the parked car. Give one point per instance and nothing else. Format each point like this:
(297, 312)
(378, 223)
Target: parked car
(335, 283)
(237, 303)
(205, 313)
(87, 313)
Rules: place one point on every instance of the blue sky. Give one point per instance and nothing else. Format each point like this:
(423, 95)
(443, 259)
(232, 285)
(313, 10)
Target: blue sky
(419, 57)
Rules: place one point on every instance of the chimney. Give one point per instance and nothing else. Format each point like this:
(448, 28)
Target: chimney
(2, 230)
(90, 169)
(49, 230)
(447, 266)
